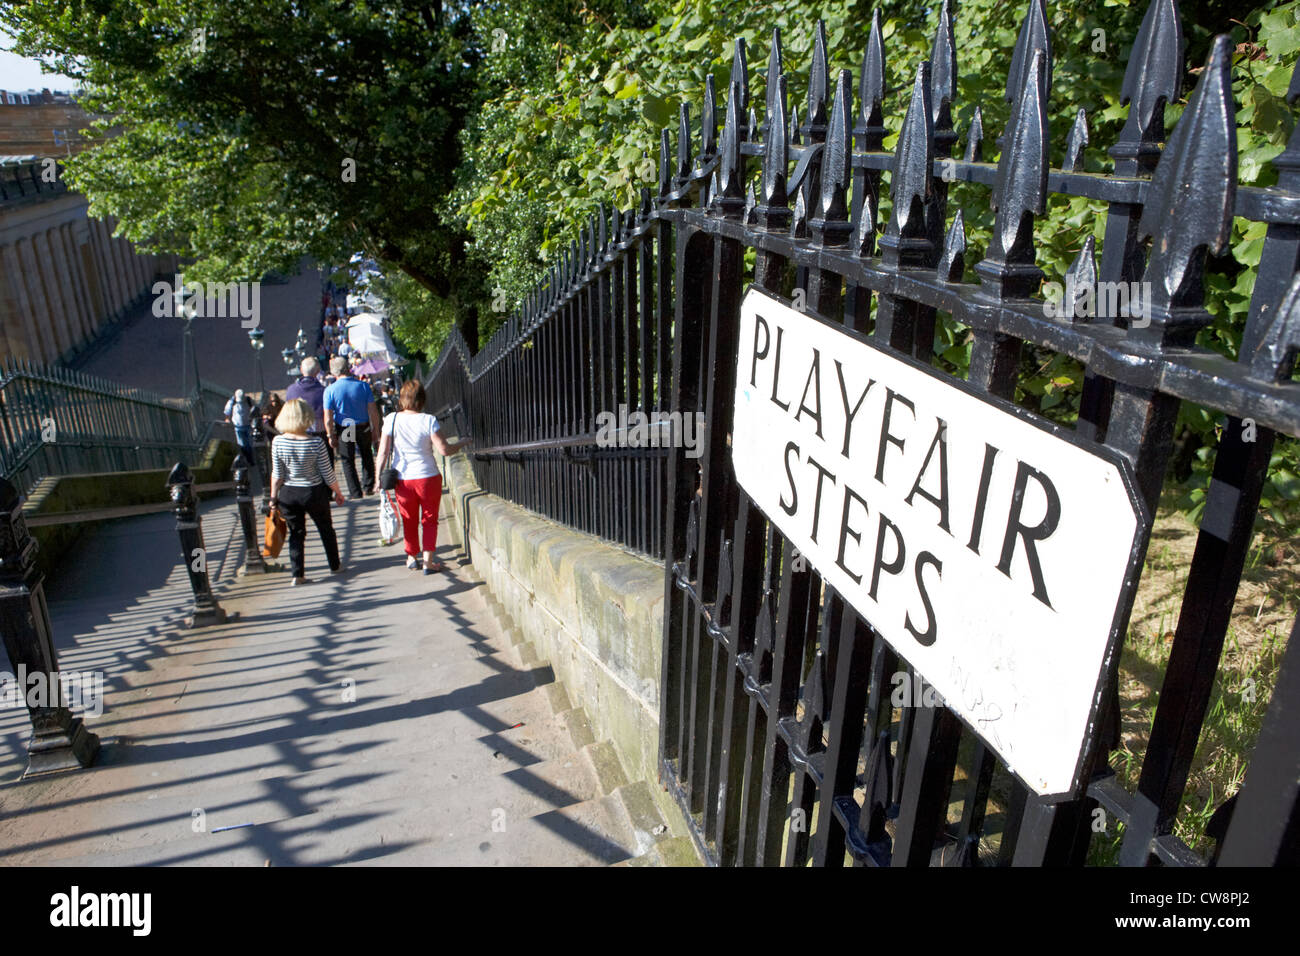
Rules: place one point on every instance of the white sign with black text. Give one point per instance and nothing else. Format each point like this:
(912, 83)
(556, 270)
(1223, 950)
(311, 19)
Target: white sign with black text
(991, 552)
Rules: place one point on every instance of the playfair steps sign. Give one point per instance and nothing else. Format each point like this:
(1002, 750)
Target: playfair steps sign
(993, 553)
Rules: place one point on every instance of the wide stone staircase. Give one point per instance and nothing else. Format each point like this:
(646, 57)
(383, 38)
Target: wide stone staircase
(379, 717)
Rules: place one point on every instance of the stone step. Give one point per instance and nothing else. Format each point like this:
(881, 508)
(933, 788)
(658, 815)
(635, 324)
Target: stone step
(592, 833)
(674, 851)
(158, 826)
(583, 834)
(378, 717)
(281, 748)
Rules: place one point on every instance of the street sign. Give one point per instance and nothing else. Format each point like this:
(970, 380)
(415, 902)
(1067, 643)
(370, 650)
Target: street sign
(994, 552)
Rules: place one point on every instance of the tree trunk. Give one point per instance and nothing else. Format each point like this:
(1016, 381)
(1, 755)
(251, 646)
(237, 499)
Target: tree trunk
(467, 322)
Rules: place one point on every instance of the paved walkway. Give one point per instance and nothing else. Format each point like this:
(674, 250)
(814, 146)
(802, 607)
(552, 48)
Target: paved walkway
(380, 717)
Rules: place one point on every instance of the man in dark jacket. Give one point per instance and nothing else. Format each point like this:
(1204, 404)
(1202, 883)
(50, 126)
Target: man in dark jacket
(311, 391)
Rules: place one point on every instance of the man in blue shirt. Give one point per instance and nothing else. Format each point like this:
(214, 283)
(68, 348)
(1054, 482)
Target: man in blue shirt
(352, 419)
(311, 391)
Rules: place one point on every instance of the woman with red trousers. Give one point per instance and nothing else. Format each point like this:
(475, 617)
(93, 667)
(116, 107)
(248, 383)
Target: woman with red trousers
(411, 437)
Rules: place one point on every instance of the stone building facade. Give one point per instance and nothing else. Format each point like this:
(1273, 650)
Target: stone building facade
(63, 275)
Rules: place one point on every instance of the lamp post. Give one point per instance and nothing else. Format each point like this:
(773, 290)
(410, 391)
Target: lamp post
(287, 355)
(255, 339)
(188, 312)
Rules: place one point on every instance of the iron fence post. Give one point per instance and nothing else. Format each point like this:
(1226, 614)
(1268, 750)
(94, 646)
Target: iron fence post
(180, 485)
(59, 740)
(253, 563)
(262, 450)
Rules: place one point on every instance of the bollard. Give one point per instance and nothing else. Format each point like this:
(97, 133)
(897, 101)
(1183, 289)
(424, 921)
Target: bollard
(263, 463)
(253, 563)
(180, 484)
(59, 740)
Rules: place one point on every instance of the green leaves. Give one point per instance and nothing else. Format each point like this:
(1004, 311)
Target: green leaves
(234, 121)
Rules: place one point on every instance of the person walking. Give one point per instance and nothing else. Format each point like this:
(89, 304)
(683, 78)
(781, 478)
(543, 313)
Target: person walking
(351, 420)
(239, 413)
(411, 437)
(301, 480)
(310, 390)
(274, 405)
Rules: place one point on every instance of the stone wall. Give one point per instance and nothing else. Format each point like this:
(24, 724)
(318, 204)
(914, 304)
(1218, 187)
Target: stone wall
(63, 276)
(591, 609)
(114, 489)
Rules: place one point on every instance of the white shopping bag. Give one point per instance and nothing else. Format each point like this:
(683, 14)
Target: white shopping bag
(390, 521)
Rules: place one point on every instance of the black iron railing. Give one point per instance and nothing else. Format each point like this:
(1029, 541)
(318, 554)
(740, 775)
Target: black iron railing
(55, 421)
(775, 694)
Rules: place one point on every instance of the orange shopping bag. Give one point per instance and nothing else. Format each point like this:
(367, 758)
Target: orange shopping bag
(275, 533)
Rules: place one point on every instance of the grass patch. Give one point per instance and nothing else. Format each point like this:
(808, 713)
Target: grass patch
(1263, 616)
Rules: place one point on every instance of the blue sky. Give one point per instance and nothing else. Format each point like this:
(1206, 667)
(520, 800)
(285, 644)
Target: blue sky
(19, 73)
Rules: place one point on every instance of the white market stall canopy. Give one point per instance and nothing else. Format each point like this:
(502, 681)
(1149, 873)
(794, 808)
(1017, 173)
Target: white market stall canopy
(362, 303)
(367, 335)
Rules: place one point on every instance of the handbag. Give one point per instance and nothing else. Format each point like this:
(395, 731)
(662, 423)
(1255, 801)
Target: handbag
(274, 534)
(389, 477)
(390, 520)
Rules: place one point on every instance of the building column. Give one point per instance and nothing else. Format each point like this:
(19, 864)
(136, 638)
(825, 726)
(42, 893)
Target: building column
(41, 340)
(113, 282)
(61, 271)
(124, 255)
(13, 304)
(119, 266)
(55, 316)
(32, 341)
(142, 269)
(94, 287)
(85, 307)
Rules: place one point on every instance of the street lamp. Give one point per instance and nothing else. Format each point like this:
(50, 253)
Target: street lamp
(255, 340)
(188, 312)
(287, 355)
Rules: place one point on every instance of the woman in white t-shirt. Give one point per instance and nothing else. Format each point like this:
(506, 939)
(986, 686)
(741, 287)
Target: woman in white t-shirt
(411, 437)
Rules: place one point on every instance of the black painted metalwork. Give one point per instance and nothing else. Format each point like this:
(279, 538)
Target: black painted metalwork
(262, 449)
(777, 732)
(59, 740)
(253, 562)
(56, 421)
(180, 487)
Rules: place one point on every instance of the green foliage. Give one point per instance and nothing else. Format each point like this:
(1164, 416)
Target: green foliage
(239, 121)
(583, 127)
(418, 320)
(483, 133)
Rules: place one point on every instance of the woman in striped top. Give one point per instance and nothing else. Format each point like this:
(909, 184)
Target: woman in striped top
(301, 477)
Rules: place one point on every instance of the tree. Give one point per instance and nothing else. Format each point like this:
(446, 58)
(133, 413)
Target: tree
(556, 141)
(249, 133)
